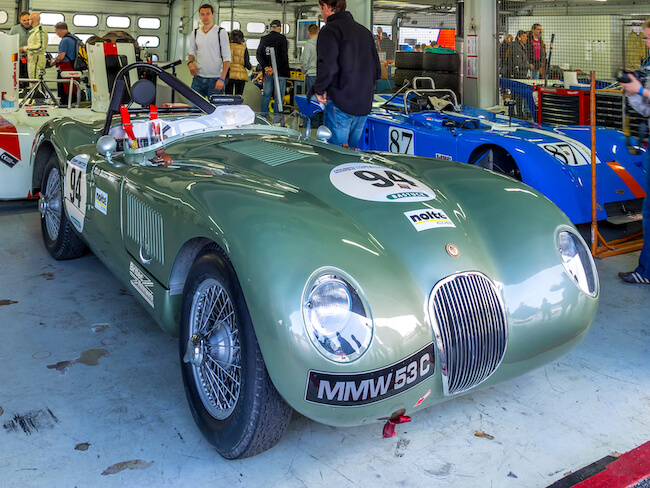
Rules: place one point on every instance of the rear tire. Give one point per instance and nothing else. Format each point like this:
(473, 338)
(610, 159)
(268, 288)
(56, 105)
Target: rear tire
(408, 60)
(445, 80)
(230, 394)
(404, 74)
(59, 236)
(441, 62)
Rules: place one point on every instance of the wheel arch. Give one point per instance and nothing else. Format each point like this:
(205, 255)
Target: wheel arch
(185, 258)
(41, 157)
(498, 150)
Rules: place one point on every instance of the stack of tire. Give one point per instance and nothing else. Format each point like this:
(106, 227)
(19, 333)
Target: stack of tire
(408, 65)
(442, 68)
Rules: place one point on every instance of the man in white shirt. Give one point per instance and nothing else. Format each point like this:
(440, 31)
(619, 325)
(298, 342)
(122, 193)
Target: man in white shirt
(209, 57)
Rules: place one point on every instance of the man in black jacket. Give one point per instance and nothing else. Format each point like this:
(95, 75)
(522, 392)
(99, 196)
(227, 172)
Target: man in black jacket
(348, 67)
(277, 40)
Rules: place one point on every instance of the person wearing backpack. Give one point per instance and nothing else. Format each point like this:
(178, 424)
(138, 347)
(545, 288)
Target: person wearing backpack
(209, 56)
(64, 59)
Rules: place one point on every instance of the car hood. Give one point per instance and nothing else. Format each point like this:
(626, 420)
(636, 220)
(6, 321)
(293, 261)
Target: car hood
(397, 207)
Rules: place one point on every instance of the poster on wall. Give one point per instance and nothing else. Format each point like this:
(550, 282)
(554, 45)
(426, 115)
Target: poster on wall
(472, 56)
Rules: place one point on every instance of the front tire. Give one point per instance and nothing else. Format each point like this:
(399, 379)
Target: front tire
(230, 394)
(59, 237)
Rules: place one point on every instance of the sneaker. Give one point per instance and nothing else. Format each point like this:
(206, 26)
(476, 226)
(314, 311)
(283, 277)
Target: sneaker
(633, 277)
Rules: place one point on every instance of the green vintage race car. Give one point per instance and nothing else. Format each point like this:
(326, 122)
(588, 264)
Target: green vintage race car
(352, 287)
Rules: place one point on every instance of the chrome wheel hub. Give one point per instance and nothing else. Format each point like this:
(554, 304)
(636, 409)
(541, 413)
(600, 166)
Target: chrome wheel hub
(214, 350)
(49, 205)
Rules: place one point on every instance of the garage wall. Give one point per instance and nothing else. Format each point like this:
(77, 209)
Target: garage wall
(7, 15)
(593, 43)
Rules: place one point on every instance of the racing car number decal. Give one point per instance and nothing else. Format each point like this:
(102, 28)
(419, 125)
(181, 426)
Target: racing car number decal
(75, 190)
(401, 141)
(379, 184)
(566, 153)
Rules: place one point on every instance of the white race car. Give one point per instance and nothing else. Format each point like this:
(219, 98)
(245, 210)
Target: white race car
(20, 171)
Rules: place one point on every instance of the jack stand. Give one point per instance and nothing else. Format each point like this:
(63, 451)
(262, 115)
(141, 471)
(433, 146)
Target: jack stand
(40, 83)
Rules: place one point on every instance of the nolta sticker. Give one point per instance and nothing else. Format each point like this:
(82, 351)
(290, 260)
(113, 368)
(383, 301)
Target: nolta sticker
(379, 184)
(428, 218)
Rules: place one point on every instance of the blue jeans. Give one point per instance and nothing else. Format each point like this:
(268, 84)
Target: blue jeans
(268, 92)
(205, 86)
(346, 129)
(644, 259)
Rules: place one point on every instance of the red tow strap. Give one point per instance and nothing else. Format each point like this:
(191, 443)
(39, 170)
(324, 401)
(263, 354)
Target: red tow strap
(128, 126)
(389, 427)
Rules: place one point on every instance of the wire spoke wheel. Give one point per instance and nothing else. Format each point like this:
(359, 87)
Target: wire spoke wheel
(59, 237)
(50, 205)
(214, 329)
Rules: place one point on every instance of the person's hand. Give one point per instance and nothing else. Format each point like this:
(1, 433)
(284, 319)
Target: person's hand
(268, 70)
(192, 68)
(219, 85)
(633, 87)
(322, 98)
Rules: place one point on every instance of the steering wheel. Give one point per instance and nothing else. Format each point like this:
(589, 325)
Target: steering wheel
(465, 124)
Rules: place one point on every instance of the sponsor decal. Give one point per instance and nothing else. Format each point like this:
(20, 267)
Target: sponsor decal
(351, 390)
(428, 218)
(401, 141)
(37, 113)
(142, 283)
(6, 103)
(8, 159)
(101, 200)
(75, 190)
(375, 183)
(443, 156)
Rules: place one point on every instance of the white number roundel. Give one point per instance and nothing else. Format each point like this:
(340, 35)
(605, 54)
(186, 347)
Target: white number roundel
(379, 184)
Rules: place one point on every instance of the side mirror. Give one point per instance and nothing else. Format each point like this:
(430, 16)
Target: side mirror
(323, 134)
(448, 123)
(106, 145)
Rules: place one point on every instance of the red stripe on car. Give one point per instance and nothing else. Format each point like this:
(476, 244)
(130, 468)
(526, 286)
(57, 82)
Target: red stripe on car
(627, 178)
(9, 138)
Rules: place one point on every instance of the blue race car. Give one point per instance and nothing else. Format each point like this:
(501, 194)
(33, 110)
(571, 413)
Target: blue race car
(425, 121)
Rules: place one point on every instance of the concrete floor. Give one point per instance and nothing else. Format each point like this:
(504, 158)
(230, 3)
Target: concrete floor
(91, 395)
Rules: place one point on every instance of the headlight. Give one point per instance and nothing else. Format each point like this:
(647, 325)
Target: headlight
(336, 316)
(577, 260)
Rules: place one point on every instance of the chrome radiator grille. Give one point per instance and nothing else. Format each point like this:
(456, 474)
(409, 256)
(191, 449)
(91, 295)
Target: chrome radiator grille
(145, 227)
(470, 327)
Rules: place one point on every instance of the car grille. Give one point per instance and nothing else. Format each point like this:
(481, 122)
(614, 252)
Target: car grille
(470, 327)
(266, 152)
(144, 226)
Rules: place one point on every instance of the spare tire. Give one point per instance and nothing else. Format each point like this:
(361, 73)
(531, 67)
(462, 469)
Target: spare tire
(404, 74)
(440, 62)
(445, 80)
(408, 59)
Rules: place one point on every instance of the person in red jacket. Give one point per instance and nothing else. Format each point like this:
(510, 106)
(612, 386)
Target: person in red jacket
(348, 68)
